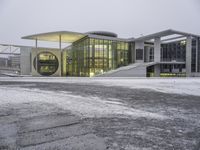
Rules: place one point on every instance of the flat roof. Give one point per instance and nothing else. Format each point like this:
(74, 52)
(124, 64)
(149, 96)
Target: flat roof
(164, 33)
(66, 36)
(70, 37)
(107, 37)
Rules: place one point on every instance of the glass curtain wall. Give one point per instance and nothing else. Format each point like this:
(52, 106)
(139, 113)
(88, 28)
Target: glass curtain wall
(90, 57)
(193, 53)
(173, 51)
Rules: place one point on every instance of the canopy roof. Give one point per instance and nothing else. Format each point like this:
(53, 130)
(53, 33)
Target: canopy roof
(64, 36)
(164, 33)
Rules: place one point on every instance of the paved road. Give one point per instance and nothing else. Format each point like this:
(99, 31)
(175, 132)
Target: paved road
(43, 125)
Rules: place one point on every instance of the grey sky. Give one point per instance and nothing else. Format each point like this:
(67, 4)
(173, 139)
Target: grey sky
(127, 18)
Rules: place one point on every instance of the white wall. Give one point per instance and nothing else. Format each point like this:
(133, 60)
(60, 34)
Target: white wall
(25, 60)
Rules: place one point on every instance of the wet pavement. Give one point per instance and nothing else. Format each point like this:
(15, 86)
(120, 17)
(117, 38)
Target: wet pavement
(42, 125)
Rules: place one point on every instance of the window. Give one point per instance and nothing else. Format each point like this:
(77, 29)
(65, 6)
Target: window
(139, 54)
(47, 63)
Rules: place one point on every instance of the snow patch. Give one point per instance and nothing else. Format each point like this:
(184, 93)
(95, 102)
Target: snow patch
(84, 106)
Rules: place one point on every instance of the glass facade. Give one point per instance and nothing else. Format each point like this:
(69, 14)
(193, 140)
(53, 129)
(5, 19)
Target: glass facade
(91, 56)
(193, 63)
(173, 51)
(148, 53)
(131, 52)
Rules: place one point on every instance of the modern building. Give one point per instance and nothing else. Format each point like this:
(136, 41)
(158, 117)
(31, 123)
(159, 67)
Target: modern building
(168, 53)
(13, 59)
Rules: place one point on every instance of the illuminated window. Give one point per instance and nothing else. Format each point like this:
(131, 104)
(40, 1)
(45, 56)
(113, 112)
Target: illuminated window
(47, 63)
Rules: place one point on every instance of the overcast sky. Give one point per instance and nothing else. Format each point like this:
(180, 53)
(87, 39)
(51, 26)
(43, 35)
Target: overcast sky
(127, 18)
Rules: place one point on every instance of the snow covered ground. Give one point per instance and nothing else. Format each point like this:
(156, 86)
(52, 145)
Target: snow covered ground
(99, 113)
(82, 106)
(189, 86)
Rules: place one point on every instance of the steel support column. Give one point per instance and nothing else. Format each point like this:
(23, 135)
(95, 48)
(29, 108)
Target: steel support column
(36, 58)
(197, 54)
(60, 47)
(60, 40)
(36, 43)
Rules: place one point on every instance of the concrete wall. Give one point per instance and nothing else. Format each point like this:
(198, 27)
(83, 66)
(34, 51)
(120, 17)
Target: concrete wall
(157, 70)
(188, 55)
(157, 49)
(25, 60)
(36, 51)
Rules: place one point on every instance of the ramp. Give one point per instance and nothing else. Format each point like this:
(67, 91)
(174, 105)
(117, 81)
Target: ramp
(132, 70)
